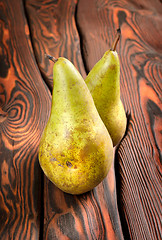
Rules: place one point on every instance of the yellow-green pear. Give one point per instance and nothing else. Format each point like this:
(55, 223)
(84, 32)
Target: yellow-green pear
(103, 82)
(75, 150)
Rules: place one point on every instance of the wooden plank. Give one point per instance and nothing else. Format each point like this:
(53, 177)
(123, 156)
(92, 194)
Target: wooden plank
(93, 215)
(138, 167)
(24, 109)
(53, 31)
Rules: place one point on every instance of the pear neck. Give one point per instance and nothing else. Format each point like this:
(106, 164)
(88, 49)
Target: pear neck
(113, 76)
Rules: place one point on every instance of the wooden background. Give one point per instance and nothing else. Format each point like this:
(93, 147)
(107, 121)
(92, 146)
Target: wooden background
(127, 204)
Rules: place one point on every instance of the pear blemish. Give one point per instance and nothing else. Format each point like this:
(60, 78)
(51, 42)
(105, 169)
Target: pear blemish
(69, 164)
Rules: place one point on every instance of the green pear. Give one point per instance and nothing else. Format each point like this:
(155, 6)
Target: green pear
(75, 151)
(103, 82)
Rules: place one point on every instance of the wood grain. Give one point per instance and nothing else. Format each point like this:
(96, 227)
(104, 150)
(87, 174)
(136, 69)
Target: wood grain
(31, 207)
(53, 28)
(24, 109)
(138, 166)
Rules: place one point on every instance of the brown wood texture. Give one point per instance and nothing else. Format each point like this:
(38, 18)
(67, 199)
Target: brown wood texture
(53, 31)
(126, 205)
(24, 108)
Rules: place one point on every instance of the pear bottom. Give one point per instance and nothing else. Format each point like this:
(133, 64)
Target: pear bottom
(76, 177)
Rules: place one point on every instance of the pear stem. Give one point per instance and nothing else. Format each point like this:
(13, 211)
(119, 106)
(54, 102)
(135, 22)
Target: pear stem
(53, 59)
(117, 37)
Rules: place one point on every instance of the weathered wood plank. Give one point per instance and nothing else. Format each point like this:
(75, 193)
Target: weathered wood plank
(24, 109)
(53, 31)
(138, 166)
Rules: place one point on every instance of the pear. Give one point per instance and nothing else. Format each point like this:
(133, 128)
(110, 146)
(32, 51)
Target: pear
(75, 150)
(103, 82)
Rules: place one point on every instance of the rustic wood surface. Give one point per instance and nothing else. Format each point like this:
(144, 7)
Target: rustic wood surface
(24, 109)
(126, 205)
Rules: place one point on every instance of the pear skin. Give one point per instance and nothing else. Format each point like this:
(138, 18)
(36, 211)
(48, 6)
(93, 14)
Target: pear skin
(103, 81)
(75, 151)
